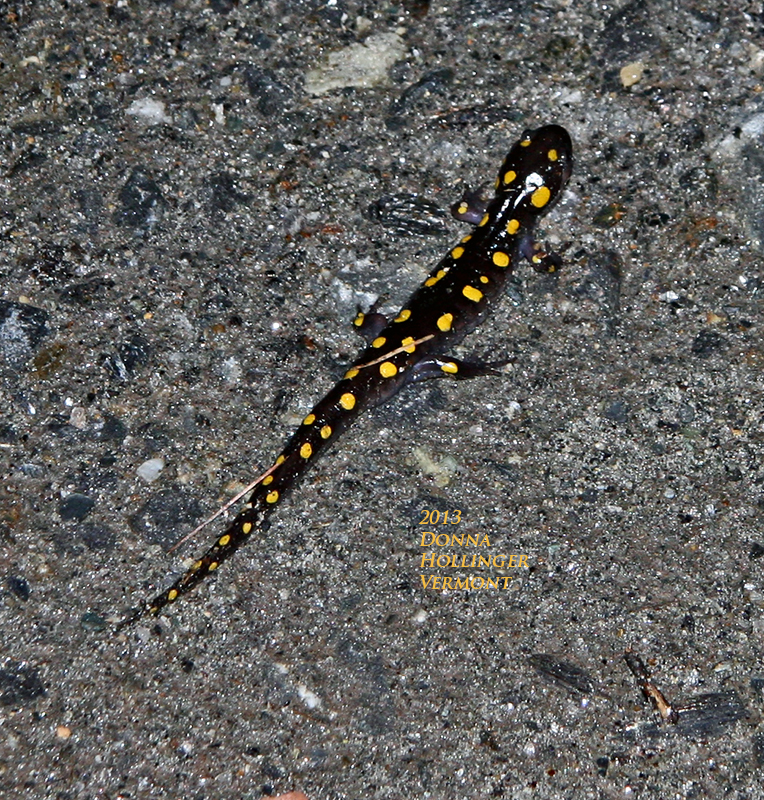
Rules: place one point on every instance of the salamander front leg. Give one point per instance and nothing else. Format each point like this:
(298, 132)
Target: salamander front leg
(443, 366)
(472, 207)
(369, 324)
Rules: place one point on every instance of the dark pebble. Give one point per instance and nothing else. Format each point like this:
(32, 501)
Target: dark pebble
(113, 430)
(141, 201)
(222, 6)
(129, 356)
(617, 411)
(18, 586)
(75, 506)
(90, 621)
(7, 433)
(756, 551)
(20, 685)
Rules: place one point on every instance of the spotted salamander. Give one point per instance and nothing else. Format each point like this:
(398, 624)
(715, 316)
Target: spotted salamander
(453, 300)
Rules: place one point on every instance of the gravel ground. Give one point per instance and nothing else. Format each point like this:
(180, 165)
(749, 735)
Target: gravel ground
(196, 196)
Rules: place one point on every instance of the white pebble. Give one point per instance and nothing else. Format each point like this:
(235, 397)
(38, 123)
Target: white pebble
(150, 469)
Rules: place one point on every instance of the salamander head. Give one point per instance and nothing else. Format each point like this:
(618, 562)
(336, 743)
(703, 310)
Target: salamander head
(536, 170)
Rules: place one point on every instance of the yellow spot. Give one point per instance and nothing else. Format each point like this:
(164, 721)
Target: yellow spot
(213, 566)
(268, 479)
(540, 197)
(347, 401)
(552, 155)
(326, 432)
(484, 221)
(471, 293)
(444, 322)
(500, 259)
(387, 369)
(496, 184)
(450, 368)
(351, 373)
(379, 341)
(408, 344)
(483, 279)
(403, 316)
(306, 451)
(358, 321)
(272, 497)
(309, 420)
(467, 238)
(440, 274)
(525, 142)
(196, 566)
(280, 460)
(223, 540)
(245, 528)
(513, 226)
(171, 595)
(457, 252)
(463, 208)
(509, 176)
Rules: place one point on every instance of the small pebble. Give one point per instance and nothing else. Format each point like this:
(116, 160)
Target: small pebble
(310, 699)
(632, 73)
(149, 111)
(150, 469)
(78, 418)
(91, 621)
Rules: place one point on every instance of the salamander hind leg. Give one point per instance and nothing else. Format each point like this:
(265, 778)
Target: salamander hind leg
(542, 260)
(444, 366)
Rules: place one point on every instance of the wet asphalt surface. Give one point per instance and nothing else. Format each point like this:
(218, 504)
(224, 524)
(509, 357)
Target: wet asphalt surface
(196, 198)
